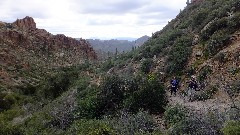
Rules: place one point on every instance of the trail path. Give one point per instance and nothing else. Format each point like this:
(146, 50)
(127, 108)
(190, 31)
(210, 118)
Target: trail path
(199, 107)
(202, 106)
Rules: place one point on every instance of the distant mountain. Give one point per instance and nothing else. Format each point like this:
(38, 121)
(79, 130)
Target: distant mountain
(114, 45)
(140, 41)
(117, 38)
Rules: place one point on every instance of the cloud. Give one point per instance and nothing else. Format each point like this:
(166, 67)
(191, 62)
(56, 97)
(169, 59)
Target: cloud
(11, 9)
(106, 6)
(95, 18)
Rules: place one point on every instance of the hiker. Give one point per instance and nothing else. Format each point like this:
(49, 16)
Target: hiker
(174, 85)
(192, 86)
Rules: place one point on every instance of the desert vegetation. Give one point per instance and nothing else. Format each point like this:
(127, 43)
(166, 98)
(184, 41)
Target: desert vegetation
(124, 93)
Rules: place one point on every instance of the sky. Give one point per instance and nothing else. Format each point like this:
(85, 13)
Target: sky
(94, 18)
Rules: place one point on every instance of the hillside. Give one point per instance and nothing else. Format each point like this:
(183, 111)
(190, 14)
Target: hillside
(25, 48)
(203, 40)
(129, 94)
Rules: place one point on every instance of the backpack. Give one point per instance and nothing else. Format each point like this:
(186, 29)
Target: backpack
(193, 85)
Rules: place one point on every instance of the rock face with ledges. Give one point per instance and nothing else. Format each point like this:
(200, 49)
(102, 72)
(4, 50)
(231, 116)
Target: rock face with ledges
(25, 23)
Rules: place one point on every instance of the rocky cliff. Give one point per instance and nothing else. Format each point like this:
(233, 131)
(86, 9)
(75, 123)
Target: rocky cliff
(23, 47)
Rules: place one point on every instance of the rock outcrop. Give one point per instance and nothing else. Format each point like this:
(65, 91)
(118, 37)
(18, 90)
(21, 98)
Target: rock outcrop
(25, 23)
(24, 47)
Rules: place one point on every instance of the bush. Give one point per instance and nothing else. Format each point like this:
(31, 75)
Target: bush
(8, 129)
(205, 94)
(6, 126)
(217, 41)
(91, 127)
(146, 65)
(94, 102)
(111, 94)
(88, 103)
(179, 55)
(150, 96)
(204, 72)
(199, 124)
(175, 114)
(7, 100)
(40, 123)
(231, 128)
(107, 65)
(200, 17)
(130, 124)
(55, 85)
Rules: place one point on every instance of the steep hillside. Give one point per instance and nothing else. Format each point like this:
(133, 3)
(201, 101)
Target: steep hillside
(204, 35)
(203, 40)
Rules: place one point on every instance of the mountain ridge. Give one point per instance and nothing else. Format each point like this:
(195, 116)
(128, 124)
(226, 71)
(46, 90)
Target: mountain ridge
(23, 46)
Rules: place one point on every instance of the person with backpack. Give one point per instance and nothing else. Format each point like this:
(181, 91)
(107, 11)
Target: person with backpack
(174, 85)
(192, 85)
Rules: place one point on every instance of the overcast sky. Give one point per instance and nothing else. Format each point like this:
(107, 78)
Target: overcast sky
(94, 18)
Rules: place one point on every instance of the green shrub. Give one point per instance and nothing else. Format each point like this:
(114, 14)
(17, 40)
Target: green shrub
(88, 103)
(28, 89)
(91, 127)
(82, 83)
(8, 129)
(111, 94)
(231, 128)
(107, 65)
(175, 114)
(39, 123)
(204, 73)
(7, 100)
(200, 17)
(55, 85)
(150, 96)
(6, 126)
(205, 94)
(217, 41)
(133, 124)
(179, 55)
(233, 23)
(94, 102)
(199, 124)
(146, 65)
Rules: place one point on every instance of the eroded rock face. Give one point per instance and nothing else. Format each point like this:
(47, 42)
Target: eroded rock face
(23, 46)
(25, 23)
(22, 39)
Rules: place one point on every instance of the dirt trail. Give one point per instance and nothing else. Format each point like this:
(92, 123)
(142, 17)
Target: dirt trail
(202, 106)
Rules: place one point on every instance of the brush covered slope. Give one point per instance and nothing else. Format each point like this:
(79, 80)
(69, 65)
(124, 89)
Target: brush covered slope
(127, 94)
(32, 68)
(202, 41)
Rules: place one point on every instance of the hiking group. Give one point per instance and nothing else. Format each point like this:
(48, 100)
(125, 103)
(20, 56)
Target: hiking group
(192, 85)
